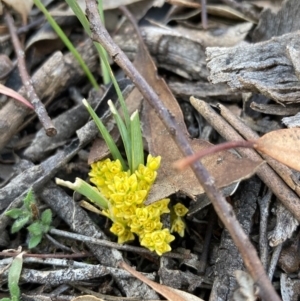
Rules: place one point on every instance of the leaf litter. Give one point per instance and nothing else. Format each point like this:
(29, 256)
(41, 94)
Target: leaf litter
(238, 69)
(224, 166)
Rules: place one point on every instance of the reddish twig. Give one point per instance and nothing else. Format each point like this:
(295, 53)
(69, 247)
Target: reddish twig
(26, 80)
(223, 209)
(187, 161)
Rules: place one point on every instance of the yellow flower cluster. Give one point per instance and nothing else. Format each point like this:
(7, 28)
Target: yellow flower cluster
(126, 193)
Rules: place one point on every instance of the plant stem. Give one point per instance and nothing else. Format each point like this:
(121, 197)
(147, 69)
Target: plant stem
(187, 161)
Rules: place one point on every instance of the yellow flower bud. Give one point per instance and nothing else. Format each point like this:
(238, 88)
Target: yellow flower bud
(146, 174)
(178, 226)
(117, 229)
(117, 199)
(126, 236)
(180, 209)
(162, 206)
(132, 182)
(140, 196)
(114, 167)
(161, 249)
(153, 162)
(142, 214)
(161, 236)
(147, 241)
(152, 225)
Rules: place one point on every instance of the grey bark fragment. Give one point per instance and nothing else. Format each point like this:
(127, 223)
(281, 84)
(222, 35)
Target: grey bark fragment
(263, 67)
(229, 258)
(170, 50)
(286, 224)
(293, 121)
(286, 20)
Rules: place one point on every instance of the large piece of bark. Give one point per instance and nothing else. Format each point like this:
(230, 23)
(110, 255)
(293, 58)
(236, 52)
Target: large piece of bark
(269, 68)
(286, 20)
(171, 51)
(229, 259)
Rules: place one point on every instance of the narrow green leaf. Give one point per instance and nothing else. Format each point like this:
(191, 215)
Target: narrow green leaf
(137, 147)
(105, 66)
(67, 42)
(86, 25)
(35, 228)
(34, 241)
(123, 131)
(106, 135)
(20, 223)
(82, 187)
(29, 199)
(14, 277)
(105, 70)
(46, 217)
(5, 299)
(14, 213)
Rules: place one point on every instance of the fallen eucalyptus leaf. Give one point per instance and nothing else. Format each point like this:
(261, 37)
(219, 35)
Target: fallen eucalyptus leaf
(225, 167)
(282, 145)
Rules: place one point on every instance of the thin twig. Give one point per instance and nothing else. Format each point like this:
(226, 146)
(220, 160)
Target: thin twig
(26, 80)
(223, 209)
(267, 174)
(264, 205)
(57, 255)
(274, 260)
(185, 162)
(203, 14)
(110, 244)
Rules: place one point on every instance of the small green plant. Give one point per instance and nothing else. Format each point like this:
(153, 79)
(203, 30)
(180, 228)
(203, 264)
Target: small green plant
(13, 279)
(29, 214)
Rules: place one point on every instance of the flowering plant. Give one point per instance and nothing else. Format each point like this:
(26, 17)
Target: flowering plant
(120, 190)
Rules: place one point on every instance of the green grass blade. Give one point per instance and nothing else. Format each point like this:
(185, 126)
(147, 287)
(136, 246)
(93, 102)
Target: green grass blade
(87, 190)
(67, 42)
(106, 135)
(137, 148)
(115, 83)
(85, 23)
(123, 131)
(14, 277)
(105, 71)
(102, 53)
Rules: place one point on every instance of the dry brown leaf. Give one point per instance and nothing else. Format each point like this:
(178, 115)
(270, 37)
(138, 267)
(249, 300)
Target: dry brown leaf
(23, 7)
(225, 167)
(167, 292)
(282, 145)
